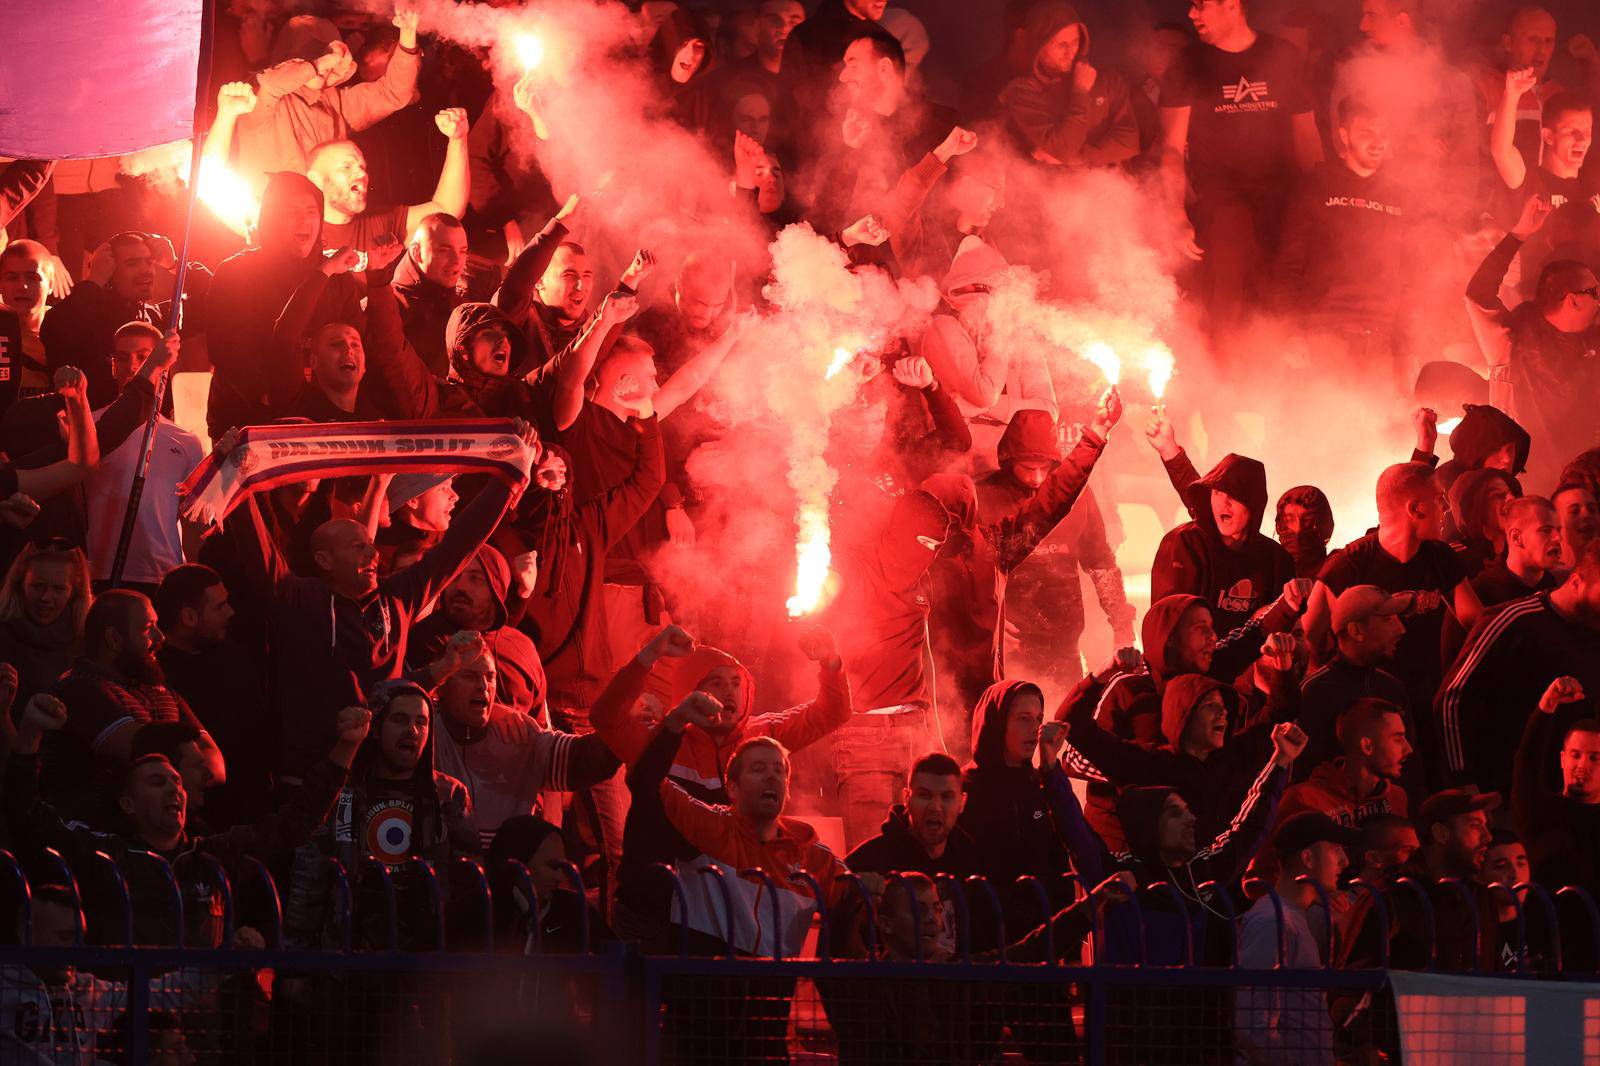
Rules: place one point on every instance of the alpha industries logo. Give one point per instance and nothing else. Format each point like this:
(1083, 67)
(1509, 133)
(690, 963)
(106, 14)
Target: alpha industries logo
(1246, 95)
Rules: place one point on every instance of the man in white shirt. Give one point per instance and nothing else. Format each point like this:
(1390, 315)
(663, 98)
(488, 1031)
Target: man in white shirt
(157, 544)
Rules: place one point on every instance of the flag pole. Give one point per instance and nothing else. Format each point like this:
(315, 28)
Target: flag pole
(130, 516)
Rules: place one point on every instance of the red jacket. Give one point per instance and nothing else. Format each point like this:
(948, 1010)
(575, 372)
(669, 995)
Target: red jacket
(1328, 790)
(731, 842)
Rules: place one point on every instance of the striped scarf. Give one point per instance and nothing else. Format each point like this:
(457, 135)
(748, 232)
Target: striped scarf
(268, 456)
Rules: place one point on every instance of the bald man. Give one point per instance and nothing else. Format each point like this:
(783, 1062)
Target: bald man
(340, 170)
(344, 628)
(428, 285)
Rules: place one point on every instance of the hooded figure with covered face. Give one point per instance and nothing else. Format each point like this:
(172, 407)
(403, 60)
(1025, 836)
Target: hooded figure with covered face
(969, 579)
(302, 99)
(1064, 112)
(251, 290)
(990, 383)
(1304, 523)
(1043, 597)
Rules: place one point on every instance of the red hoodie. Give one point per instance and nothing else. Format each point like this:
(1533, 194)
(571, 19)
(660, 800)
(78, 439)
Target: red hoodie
(1328, 791)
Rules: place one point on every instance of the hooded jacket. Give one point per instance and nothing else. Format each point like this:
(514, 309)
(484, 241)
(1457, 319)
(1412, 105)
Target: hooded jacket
(1213, 787)
(247, 295)
(1469, 510)
(566, 614)
(1484, 429)
(520, 676)
(498, 396)
(428, 815)
(993, 381)
(425, 307)
(1008, 811)
(698, 761)
(1309, 547)
(1223, 860)
(1043, 593)
(1048, 115)
(1234, 582)
(290, 119)
(969, 579)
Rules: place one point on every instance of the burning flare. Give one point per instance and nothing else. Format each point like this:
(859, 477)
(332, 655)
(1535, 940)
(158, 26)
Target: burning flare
(1158, 365)
(841, 359)
(1105, 358)
(228, 195)
(530, 50)
(812, 559)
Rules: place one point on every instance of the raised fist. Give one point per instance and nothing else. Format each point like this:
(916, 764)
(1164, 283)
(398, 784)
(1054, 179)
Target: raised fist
(70, 382)
(352, 724)
(1288, 741)
(44, 713)
(452, 122)
(818, 645)
(236, 98)
(1562, 690)
(673, 642)
(913, 373)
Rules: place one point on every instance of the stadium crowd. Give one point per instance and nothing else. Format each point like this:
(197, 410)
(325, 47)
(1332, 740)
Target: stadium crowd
(487, 650)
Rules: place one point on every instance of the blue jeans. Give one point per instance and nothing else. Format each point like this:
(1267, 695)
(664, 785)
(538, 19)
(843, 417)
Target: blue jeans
(872, 757)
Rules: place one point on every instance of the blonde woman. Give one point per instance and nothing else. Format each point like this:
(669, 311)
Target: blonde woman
(43, 602)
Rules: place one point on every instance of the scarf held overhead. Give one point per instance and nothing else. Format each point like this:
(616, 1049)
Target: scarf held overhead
(268, 456)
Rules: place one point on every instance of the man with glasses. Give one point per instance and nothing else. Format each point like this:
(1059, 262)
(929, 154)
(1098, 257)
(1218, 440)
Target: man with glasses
(1543, 370)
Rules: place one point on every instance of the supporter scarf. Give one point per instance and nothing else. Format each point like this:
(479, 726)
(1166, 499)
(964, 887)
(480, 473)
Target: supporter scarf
(269, 456)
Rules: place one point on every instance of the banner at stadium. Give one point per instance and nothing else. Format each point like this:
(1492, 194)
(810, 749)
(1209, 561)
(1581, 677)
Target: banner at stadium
(1452, 1020)
(84, 78)
(269, 456)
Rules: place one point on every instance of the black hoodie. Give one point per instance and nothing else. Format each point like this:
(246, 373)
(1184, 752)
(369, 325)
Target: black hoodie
(1048, 114)
(1484, 429)
(1234, 582)
(247, 295)
(1008, 811)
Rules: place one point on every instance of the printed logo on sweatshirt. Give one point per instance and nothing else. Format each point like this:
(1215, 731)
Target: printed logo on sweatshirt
(1246, 95)
(389, 831)
(1362, 201)
(1241, 597)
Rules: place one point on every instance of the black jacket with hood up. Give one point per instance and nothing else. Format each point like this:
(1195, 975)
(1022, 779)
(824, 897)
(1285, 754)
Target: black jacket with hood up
(1213, 787)
(1008, 811)
(247, 295)
(1046, 113)
(1234, 582)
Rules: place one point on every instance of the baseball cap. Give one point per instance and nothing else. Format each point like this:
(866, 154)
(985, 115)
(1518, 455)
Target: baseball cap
(1360, 602)
(1443, 806)
(1303, 830)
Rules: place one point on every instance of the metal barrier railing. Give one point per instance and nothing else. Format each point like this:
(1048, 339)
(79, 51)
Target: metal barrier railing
(1184, 927)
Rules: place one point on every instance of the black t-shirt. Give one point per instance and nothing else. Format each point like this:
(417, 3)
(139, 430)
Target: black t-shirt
(363, 231)
(1433, 574)
(1571, 232)
(1241, 109)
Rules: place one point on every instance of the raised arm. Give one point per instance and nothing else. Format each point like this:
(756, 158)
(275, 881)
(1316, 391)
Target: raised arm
(234, 99)
(1019, 533)
(693, 374)
(612, 714)
(1532, 798)
(809, 723)
(1508, 161)
(454, 189)
(515, 294)
(1161, 436)
(83, 443)
(573, 367)
(371, 101)
(1225, 859)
